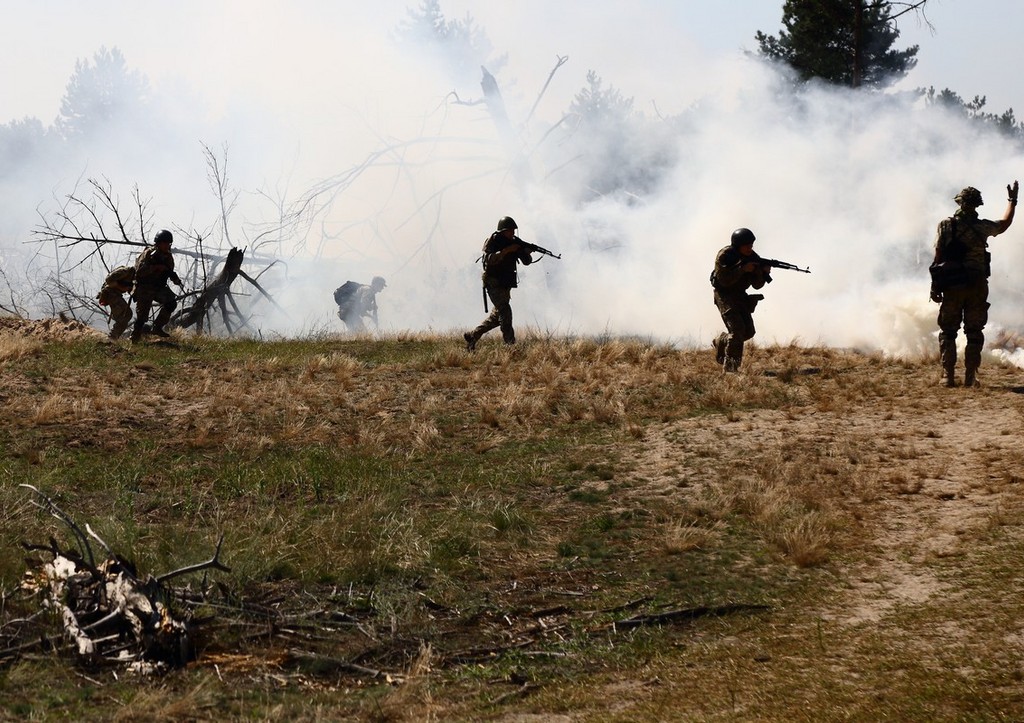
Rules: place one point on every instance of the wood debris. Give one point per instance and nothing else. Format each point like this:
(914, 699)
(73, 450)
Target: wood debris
(107, 613)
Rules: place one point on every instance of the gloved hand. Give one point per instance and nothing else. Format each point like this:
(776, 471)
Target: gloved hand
(1011, 192)
(936, 296)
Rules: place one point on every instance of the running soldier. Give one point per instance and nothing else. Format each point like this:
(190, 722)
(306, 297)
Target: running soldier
(154, 268)
(737, 268)
(115, 286)
(502, 251)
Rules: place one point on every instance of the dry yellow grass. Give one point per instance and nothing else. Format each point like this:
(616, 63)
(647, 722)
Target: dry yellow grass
(568, 475)
(14, 346)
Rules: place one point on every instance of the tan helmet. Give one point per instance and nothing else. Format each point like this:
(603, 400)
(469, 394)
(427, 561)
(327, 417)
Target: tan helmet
(970, 196)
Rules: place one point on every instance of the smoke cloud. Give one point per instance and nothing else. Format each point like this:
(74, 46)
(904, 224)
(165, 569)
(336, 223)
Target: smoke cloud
(401, 169)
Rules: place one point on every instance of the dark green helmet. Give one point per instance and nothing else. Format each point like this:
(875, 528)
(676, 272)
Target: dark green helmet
(507, 222)
(741, 237)
(164, 235)
(970, 196)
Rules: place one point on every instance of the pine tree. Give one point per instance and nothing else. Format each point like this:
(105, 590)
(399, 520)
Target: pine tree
(99, 94)
(844, 42)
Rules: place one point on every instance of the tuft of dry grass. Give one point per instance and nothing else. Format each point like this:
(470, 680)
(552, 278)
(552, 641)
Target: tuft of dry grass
(805, 540)
(15, 346)
(681, 536)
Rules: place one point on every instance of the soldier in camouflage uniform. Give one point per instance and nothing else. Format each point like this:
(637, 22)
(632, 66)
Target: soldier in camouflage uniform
(361, 302)
(502, 251)
(115, 286)
(154, 268)
(962, 240)
(737, 268)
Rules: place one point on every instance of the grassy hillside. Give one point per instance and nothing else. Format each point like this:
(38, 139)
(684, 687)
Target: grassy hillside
(594, 529)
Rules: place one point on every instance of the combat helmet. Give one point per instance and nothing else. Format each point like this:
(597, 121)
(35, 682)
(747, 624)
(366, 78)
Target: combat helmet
(162, 236)
(970, 196)
(741, 237)
(377, 283)
(507, 222)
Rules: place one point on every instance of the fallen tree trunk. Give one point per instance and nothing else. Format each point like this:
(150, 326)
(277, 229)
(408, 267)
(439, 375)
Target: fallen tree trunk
(217, 291)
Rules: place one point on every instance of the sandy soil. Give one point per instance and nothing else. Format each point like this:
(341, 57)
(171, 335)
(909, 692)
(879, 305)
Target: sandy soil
(53, 329)
(926, 473)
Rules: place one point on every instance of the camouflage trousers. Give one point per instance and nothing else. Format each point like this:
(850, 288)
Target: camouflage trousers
(967, 306)
(500, 316)
(144, 297)
(739, 325)
(120, 311)
(352, 318)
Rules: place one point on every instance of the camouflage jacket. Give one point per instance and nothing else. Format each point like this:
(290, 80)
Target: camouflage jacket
(964, 237)
(502, 271)
(155, 268)
(362, 302)
(729, 278)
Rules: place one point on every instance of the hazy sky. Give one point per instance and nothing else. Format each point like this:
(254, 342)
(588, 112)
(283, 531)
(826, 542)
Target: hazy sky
(211, 43)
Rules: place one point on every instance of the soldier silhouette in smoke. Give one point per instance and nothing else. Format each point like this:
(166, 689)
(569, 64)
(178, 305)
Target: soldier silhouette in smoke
(356, 301)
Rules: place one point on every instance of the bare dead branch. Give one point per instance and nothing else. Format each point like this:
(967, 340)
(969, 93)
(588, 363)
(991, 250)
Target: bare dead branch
(263, 291)
(214, 563)
(560, 60)
(322, 661)
(675, 616)
(51, 507)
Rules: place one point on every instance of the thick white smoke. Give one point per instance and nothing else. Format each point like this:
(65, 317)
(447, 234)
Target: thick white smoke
(407, 179)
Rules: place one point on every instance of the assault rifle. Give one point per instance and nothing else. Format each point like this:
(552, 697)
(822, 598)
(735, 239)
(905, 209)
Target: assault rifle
(776, 264)
(773, 264)
(537, 249)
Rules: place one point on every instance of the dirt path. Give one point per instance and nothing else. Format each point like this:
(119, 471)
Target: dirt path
(923, 481)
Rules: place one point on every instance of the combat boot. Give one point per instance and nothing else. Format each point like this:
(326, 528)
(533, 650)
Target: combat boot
(159, 331)
(731, 364)
(948, 377)
(470, 341)
(971, 377)
(719, 345)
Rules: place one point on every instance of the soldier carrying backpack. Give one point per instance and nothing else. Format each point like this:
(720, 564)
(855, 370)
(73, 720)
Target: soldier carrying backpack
(357, 300)
(118, 282)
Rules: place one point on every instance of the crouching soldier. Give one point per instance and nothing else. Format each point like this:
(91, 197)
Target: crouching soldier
(154, 268)
(356, 301)
(115, 286)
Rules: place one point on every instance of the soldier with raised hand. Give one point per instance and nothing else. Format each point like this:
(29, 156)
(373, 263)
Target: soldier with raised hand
(960, 274)
(153, 269)
(502, 251)
(737, 268)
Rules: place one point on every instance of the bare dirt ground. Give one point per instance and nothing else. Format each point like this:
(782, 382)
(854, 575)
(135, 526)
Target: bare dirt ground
(926, 480)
